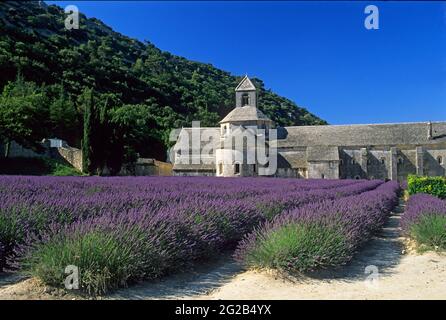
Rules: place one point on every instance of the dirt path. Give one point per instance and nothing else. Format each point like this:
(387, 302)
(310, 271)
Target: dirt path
(400, 276)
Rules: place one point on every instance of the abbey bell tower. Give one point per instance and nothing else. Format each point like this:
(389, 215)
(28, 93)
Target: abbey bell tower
(245, 94)
(235, 156)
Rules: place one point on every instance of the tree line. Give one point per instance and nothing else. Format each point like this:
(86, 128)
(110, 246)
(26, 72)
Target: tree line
(109, 133)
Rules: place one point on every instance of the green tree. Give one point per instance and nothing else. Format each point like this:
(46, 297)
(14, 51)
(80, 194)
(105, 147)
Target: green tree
(23, 114)
(133, 133)
(63, 116)
(87, 153)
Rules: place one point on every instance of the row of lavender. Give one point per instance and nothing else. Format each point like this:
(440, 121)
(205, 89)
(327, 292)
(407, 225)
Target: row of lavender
(424, 221)
(318, 235)
(120, 230)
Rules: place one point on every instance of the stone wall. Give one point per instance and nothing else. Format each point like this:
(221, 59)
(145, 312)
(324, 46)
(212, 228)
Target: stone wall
(17, 151)
(378, 166)
(392, 162)
(72, 156)
(434, 162)
(323, 170)
(407, 163)
(147, 167)
(351, 164)
(288, 173)
(163, 168)
(194, 173)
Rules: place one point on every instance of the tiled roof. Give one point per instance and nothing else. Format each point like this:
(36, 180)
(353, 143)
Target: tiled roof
(362, 135)
(322, 153)
(246, 113)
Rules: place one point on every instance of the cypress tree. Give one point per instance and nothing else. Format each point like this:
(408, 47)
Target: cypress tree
(88, 128)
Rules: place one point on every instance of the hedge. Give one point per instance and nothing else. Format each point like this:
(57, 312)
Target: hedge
(435, 186)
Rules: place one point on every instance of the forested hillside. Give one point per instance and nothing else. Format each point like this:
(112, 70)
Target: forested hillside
(135, 93)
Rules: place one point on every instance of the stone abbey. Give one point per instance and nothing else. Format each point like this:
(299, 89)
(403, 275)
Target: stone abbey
(370, 151)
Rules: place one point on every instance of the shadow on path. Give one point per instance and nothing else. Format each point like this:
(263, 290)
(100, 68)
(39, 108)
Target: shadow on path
(8, 279)
(201, 280)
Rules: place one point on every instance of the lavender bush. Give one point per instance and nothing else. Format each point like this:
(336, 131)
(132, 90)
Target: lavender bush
(425, 221)
(318, 235)
(122, 230)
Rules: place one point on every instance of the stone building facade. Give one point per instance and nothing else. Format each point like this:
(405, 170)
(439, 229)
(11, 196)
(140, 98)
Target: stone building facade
(370, 151)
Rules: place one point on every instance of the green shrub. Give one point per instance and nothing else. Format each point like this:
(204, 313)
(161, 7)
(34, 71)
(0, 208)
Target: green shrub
(61, 169)
(430, 232)
(299, 248)
(431, 185)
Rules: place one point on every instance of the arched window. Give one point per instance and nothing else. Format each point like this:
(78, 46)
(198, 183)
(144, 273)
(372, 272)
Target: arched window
(440, 160)
(220, 168)
(400, 160)
(237, 168)
(245, 100)
(357, 177)
(383, 160)
(322, 176)
(341, 162)
(353, 161)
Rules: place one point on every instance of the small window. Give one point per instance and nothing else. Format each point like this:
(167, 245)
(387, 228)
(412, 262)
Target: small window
(369, 162)
(357, 177)
(254, 168)
(322, 176)
(383, 160)
(400, 160)
(237, 168)
(440, 160)
(353, 161)
(245, 100)
(341, 162)
(220, 168)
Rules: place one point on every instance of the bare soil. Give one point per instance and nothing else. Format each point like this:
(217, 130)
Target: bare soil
(387, 267)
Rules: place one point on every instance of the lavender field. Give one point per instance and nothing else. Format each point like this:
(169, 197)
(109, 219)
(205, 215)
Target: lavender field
(122, 230)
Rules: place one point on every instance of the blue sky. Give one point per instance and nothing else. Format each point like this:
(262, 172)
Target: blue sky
(318, 54)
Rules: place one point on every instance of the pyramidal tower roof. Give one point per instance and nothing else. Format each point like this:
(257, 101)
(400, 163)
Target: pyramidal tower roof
(245, 85)
(246, 113)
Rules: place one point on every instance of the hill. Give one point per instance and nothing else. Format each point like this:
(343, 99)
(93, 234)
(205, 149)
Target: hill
(129, 75)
